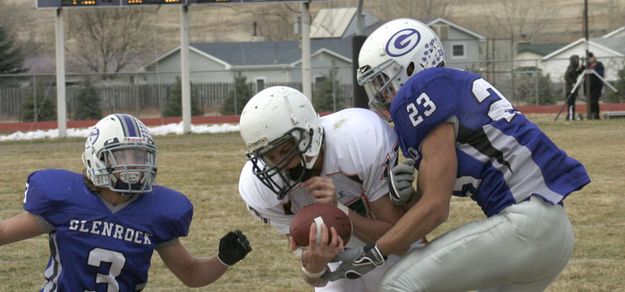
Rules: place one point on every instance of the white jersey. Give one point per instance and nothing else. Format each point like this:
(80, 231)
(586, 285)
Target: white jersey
(357, 146)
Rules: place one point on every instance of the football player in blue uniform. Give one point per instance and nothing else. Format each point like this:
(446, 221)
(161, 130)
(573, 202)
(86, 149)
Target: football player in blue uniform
(463, 138)
(104, 224)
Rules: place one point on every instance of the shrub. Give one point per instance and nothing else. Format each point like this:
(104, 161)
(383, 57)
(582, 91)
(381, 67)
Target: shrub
(526, 88)
(45, 110)
(612, 96)
(240, 95)
(173, 106)
(323, 96)
(87, 102)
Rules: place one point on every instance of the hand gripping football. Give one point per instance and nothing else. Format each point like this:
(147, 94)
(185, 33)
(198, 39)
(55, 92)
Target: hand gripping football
(319, 213)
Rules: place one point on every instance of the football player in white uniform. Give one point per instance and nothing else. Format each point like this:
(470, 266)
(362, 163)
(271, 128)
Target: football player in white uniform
(296, 158)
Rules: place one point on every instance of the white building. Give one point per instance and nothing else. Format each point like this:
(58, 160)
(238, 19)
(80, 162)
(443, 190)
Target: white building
(609, 49)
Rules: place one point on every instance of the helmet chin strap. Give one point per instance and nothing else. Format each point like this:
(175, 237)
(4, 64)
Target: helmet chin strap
(127, 181)
(304, 173)
(299, 173)
(125, 186)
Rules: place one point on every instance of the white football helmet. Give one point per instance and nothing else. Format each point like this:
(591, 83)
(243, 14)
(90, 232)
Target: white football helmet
(273, 117)
(120, 154)
(391, 55)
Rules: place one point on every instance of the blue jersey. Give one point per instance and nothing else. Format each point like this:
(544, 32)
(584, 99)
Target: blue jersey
(503, 158)
(97, 247)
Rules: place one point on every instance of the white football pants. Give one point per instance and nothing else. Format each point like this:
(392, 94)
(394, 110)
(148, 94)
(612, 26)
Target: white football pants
(523, 248)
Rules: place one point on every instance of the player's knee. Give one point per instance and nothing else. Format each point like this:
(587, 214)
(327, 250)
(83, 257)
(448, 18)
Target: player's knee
(396, 280)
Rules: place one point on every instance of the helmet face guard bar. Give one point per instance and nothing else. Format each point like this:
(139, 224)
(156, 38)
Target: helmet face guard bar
(379, 86)
(120, 155)
(274, 174)
(131, 168)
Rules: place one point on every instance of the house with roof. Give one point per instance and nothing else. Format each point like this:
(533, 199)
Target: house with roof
(529, 55)
(617, 33)
(260, 62)
(609, 49)
(264, 62)
(462, 46)
(340, 23)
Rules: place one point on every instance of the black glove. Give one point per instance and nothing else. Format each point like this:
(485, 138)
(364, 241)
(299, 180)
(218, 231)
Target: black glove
(400, 178)
(233, 247)
(355, 262)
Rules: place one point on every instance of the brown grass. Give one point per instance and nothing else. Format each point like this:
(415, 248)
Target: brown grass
(206, 168)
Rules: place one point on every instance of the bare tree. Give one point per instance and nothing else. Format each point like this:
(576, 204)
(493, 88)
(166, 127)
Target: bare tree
(276, 24)
(17, 21)
(615, 12)
(518, 19)
(108, 40)
(9, 16)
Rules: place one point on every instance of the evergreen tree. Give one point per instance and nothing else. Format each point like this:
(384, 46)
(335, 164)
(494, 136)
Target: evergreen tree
(11, 58)
(45, 109)
(87, 102)
(323, 96)
(241, 95)
(612, 96)
(173, 106)
(525, 87)
(546, 92)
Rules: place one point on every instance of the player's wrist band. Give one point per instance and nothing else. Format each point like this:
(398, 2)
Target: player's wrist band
(222, 262)
(343, 208)
(313, 275)
(298, 252)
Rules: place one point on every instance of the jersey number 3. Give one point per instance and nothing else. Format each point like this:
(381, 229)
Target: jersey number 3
(413, 113)
(117, 260)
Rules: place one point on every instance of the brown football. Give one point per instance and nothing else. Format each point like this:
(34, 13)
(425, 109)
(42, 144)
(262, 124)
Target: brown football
(328, 214)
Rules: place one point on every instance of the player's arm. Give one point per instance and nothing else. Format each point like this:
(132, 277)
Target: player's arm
(200, 271)
(315, 258)
(192, 271)
(437, 174)
(386, 215)
(19, 227)
(368, 229)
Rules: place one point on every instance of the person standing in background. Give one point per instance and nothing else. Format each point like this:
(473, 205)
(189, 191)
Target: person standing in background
(570, 78)
(595, 86)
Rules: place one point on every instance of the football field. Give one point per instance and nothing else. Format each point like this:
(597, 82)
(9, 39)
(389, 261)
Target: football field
(206, 169)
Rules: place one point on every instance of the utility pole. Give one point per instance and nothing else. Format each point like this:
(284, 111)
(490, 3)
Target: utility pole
(359, 95)
(306, 70)
(61, 109)
(185, 80)
(587, 81)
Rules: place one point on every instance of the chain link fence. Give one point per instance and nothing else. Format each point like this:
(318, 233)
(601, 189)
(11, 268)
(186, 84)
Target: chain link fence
(33, 97)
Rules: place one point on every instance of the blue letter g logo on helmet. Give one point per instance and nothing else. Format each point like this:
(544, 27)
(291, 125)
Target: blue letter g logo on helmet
(402, 42)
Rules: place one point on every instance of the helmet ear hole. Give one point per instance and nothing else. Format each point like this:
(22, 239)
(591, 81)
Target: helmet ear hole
(410, 69)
